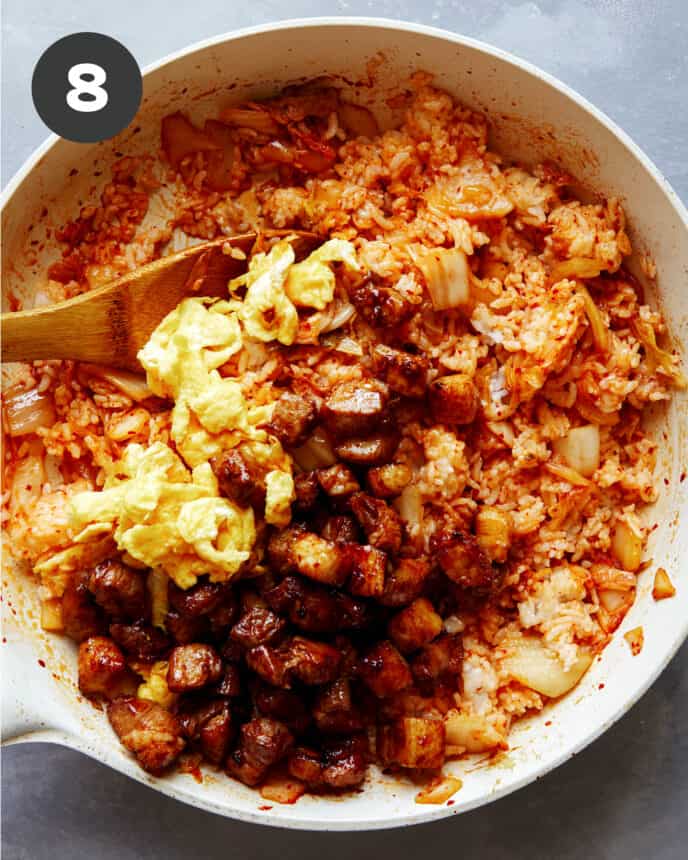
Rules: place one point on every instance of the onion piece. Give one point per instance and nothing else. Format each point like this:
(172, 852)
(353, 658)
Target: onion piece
(315, 453)
(600, 332)
(27, 411)
(576, 267)
(627, 542)
(257, 119)
(580, 449)
(51, 615)
(219, 167)
(181, 138)
(448, 278)
(530, 662)
(439, 790)
(663, 587)
(591, 413)
(409, 506)
(133, 385)
(279, 789)
(566, 473)
(357, 120)
(657, 358)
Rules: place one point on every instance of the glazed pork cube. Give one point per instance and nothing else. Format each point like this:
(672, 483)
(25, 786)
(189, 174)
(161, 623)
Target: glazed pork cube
(334, 711)
(102, 667)
(381, 523)
(258, 626)
(368, 567)
(319, 559)
(384, 670)
(405, 581)
(312, 662)
(415, 626)
(119, 589)
(192, 667)
(294, 416)
(263, 742)
(368, 450)
(412, 742)
(463, 560)
(405, 373)
(338, 481)
(439, 661)
(354, 408)
(146, 729)
(453, 399)
(388, 481)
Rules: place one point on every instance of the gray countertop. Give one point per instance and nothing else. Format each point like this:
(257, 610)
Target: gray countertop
(624, 797)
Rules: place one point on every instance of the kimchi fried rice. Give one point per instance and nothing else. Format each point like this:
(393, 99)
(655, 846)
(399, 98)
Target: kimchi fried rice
(380, 501)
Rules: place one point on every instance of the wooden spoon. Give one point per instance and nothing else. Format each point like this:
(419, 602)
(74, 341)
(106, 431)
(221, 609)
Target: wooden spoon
(109, 324)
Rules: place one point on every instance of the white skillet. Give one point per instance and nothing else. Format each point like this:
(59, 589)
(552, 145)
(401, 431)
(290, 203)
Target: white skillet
(535, 117)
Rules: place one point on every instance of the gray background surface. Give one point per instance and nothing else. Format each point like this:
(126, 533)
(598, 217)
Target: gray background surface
(626, 796)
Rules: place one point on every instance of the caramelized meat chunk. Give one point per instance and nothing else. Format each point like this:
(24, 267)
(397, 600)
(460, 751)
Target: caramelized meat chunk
(340, 529)
(185, 628)
(146, 729)
(388, 481)
(238, 480)
(384, 670)
(406, 374)
(307, 490)
(306, 764)
(405, 581)
(319, 559)
(338, 481)
(269, 664)
(263, 742)
(216, 735)
(415, 626)
(341, 764)
(230, 682)
(368, 568)
(118, 589)
(315, 608)
(355, 408)
(368, 450)
(334, 711)
(192, 667)
(382, 307)
(202, 599)
(280, 549)
(258, 627)
(412, 742)
(284, 705)
(293, 418)
(463, 561)
(80, 617)
(101, 666)
(441, 660)
(345, 762)
(140, 641)
(381, 523)
(312, 662)
(454, 399)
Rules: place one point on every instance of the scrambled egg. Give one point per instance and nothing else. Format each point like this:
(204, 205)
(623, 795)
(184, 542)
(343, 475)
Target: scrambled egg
(166, 516)
(162, 506)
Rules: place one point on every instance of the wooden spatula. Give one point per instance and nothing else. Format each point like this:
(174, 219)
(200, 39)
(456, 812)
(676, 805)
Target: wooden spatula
(110, 324)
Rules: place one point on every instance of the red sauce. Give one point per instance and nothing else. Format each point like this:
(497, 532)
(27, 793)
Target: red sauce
(41, 663)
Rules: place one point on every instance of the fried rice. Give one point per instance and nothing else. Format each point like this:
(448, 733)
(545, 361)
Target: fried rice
(515, 356)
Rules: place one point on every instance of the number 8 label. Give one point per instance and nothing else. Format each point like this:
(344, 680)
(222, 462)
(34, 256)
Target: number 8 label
(92, 88)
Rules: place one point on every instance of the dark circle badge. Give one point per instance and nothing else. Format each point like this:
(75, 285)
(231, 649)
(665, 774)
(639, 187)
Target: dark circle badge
(86, 87)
